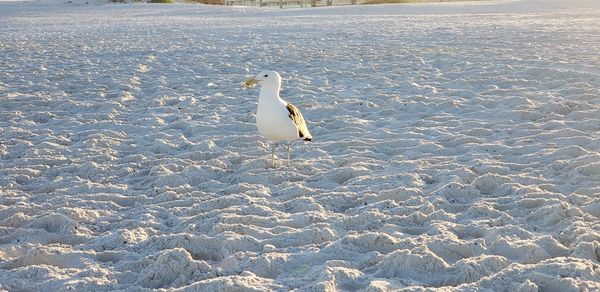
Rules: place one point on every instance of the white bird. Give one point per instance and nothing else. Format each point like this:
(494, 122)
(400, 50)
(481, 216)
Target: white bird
(276, 119)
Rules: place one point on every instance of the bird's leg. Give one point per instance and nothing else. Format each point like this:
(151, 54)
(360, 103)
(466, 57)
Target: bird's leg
(273, 155)
(289, 153)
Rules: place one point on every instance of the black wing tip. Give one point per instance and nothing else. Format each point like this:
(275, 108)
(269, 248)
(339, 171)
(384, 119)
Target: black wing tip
(309, 139)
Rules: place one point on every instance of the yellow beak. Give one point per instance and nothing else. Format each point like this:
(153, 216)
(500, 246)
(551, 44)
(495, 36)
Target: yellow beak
(250, 82)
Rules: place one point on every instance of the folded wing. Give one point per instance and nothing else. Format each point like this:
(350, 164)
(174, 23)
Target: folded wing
(298, 120)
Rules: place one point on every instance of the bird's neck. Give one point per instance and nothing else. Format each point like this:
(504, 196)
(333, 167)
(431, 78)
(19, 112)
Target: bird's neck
(269, 93)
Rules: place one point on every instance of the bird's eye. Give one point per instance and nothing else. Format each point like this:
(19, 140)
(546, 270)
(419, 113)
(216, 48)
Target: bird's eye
(266, 75)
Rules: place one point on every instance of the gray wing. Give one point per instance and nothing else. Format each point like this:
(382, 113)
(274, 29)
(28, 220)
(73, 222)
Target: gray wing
(298, 120)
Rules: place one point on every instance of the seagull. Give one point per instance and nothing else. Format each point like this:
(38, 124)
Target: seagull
(276, 119)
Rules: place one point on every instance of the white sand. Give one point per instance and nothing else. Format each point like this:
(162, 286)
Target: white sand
(456, 145)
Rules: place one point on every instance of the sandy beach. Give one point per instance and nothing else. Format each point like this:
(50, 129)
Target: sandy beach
(456, 147)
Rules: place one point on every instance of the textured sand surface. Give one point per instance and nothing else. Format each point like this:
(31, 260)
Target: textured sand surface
(456, 145)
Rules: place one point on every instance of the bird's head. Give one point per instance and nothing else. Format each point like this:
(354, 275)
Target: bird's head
(264, 78)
